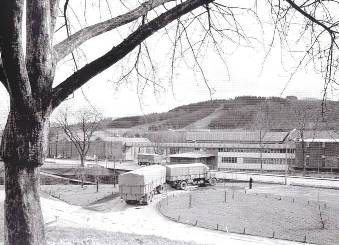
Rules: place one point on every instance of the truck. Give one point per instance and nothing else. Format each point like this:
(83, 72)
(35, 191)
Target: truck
(140, 185)
(146, 159)
(180, 175)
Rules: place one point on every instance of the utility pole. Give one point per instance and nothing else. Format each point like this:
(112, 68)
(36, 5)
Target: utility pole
(286, 166)
(114, 170)
(260, 148)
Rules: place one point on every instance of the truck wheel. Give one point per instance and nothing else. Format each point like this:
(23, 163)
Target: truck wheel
(213, 181)
(183, 185)
(160, 189)
(147, 199)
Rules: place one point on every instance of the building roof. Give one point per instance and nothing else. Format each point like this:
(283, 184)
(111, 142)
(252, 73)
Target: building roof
(194, 155)
(105, 136)
(321, 140)
(183, 165)
(213, 145)
(315, 135)
(236, 136)
(148, 154)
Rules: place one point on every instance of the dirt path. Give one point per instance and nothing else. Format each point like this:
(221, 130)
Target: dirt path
(204, 122)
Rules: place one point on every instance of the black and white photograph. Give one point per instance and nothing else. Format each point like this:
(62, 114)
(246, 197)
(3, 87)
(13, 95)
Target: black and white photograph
(175, 122)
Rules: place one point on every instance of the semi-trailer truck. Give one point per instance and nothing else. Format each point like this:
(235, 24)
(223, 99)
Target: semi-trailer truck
(140, 186)
(181, 175)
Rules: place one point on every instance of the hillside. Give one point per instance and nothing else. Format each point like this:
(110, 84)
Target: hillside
(246, 112)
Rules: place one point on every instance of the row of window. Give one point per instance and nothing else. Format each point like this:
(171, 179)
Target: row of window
(229, 159)
(268, 160)
(257, 150)
(258, 160)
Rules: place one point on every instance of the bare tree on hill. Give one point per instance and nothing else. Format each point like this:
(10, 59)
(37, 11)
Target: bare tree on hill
(28, 65)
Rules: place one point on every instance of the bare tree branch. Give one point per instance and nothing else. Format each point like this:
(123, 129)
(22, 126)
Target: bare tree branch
(75, 81)
(68, 45)
(3, 78)
(54, 4)
(310, 17)
(12, 52)
(39, 47)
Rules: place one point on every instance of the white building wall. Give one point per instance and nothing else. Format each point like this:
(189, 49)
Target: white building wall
(252, 166)
(255, 155)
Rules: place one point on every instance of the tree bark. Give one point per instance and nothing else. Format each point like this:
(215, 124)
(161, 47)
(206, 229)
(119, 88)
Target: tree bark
(23, 148)
(23, 217)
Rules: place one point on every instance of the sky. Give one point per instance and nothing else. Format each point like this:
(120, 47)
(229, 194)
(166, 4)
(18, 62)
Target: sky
(249, 70)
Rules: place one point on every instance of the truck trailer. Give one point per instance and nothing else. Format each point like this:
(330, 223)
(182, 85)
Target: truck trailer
(180, 175)
(146, 159)
(139, 186)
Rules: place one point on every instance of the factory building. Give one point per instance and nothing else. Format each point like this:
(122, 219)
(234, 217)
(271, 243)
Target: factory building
(317, 151)
(232, 150)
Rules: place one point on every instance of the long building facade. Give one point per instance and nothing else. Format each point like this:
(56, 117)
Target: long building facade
(239, 150)
(222, 150)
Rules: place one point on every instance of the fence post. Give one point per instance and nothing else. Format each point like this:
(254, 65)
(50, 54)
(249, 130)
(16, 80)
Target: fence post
(178, 218)
(273, 235)
(190, 201)
(244, 231)
(196, 222)
(225, 197)
(304, 239)
(217, 227)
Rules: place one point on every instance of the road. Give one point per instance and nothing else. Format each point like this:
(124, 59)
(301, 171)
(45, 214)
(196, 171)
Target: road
(281, 179)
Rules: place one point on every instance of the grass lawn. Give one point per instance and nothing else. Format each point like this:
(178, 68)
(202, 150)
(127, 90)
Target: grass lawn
(81, 236)
(81, 196)
(259, 214)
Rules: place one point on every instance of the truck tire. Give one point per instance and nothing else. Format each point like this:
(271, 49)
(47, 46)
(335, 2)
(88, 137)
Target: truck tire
(160, 189)
(147, 199)
(213, 181)
(183, 185)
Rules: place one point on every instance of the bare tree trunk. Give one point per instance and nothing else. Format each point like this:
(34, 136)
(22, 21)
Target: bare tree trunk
(23, 217)
(23, 149)
(82, 161)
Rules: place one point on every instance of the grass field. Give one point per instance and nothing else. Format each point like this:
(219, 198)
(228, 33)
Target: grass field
(81, 196)
(260, 214)
(82, 236)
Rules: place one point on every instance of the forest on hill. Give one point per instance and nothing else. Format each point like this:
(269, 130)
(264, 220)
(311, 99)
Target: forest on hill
(245, 112)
